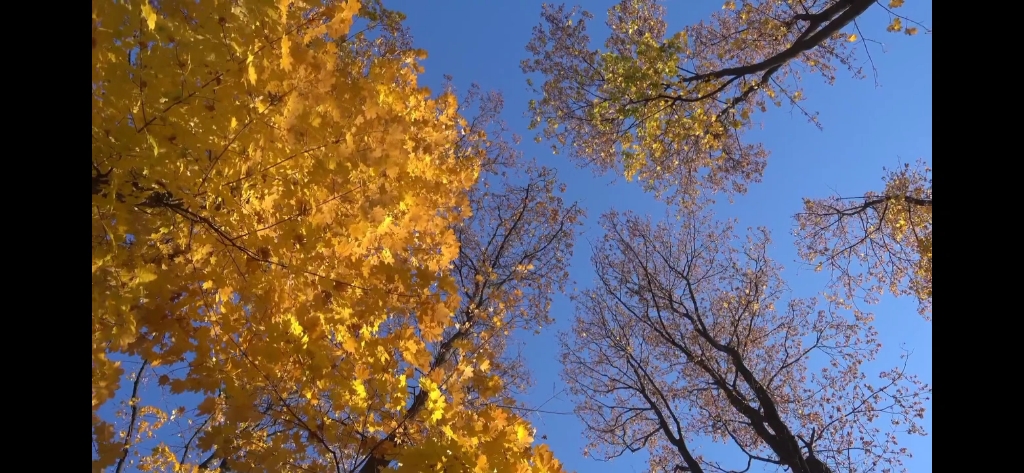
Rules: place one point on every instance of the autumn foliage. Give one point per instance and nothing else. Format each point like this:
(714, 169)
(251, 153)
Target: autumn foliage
(689, 333)
(276, 204)
(304, 260)
(670, 109)
(878, 242)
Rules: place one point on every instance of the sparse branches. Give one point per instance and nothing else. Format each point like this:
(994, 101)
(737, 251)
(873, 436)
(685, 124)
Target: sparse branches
(687, 334)
(881, 241)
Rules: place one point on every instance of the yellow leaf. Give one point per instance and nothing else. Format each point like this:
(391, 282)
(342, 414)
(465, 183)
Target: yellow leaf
(350, 344)
(911, 31)
(252, 70)
(359, 388)
(431, 331)
(146, 275)
(153, 143)
(523, 434)
(852, 38)
(351, 8)
(286, 54)
(441, 314)
(895, 3)
(895, 26)
(149, 14)
(207, 406)
(481, 464)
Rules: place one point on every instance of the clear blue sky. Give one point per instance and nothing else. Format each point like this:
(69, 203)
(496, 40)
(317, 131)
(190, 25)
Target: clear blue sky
(865, 128)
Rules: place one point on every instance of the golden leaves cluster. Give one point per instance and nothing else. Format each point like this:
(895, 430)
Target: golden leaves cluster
(273, 197)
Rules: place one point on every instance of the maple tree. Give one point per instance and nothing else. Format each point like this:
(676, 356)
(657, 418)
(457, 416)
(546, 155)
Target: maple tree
(669, 111)
(687, 335)
(277, 207)
(875, 242)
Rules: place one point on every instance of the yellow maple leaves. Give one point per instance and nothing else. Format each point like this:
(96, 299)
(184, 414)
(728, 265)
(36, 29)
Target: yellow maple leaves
(149, 14)
(435, 400)
(261, 246)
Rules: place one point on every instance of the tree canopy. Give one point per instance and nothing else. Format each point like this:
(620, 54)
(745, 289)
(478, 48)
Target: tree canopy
(876, 242)
(276, 208)
(305, 260)
(670, 110)
(689, 333)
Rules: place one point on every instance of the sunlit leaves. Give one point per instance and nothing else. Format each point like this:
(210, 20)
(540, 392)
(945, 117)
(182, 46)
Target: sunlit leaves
(275, 206)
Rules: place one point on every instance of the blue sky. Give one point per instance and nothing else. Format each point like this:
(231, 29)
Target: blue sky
(866, 128)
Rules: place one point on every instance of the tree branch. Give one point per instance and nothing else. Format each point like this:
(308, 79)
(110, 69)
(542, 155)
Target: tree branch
(134, 401)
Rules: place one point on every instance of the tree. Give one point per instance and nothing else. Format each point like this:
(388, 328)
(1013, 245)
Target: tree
(686, 334)
(887, 234)
(515, 247)
(670, 111)
(275, 206)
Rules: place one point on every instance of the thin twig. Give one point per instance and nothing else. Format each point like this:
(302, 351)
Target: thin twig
(131, 424)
